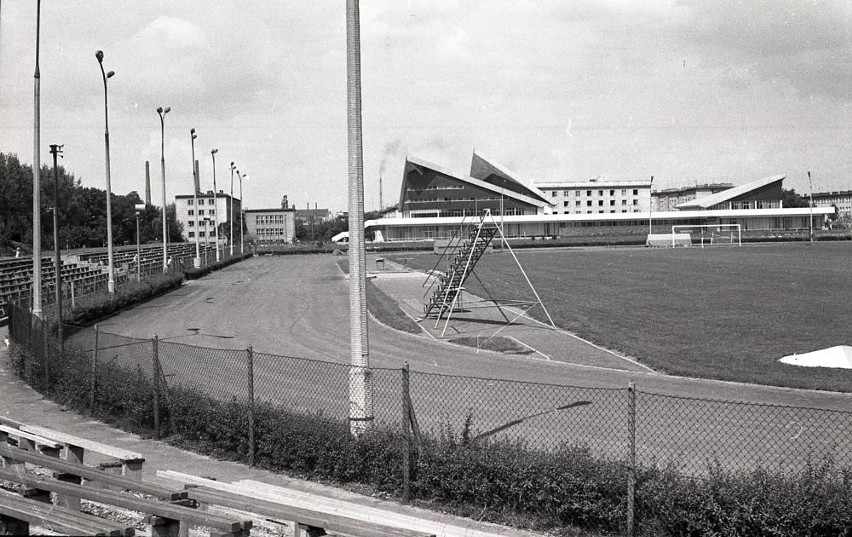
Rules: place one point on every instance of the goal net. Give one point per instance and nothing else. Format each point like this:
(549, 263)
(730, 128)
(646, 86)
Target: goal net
(707, 235)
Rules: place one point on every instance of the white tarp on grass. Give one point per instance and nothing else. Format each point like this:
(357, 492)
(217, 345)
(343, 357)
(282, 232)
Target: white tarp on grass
(839, 357)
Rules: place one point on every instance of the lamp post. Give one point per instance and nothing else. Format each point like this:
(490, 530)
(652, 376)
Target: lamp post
(37, 174)
(56, 150)
(106, 76)
(162, 113)
(650, 205)
(215, 205)
(206, 222)
(139, 208)
(197, 261)
(811, 204)
(242, 219)
(231, 213)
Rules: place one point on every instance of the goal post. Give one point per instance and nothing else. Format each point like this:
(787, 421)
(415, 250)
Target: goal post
(708, 234)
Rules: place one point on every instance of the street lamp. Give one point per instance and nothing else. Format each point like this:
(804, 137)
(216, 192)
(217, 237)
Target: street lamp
(106, 76)
(231, 214)
(197, 261)
(206, 222)
(162, 113)
(215, 205)
(139, 208)
(242, 219)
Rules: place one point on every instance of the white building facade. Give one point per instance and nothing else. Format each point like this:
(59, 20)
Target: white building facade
(201, 214)
(598, 196)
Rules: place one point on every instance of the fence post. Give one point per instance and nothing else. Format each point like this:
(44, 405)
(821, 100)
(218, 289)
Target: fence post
(156, 379)
(45, 352)
(631, 458)
(94, 374)
(406, 435)
(73, 300)
(250, 372)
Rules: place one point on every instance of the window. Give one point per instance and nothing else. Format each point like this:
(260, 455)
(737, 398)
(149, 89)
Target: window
(200, 212)
(588, 192)
(623, 191)
(211, 212)
(600, 203)
(553, 193)
(635, 202)
(565, 203)
(611, 202)
(612, 192)
(190, 212)
(600, 192)
(577, 193)
(635, 191)
(201, 234)
(566, 193)
(191, 223)
(190, 202)
(210, 201)
(589, 203)
(624, 202)
(577, 203)
(191, 234)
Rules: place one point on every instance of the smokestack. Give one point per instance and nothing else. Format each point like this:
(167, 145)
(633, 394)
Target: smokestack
(197, 178)
(147, 183)
(381, 203)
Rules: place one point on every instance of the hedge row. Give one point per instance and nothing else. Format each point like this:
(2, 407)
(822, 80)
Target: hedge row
(505, 482)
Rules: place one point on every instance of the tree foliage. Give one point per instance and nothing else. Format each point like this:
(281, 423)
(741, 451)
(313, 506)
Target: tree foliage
(82, 211)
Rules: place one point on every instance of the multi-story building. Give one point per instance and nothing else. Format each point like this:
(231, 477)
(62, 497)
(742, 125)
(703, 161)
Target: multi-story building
(841, 199)
(669, 198)
(200, 219)
(598, 196)
(271, 226)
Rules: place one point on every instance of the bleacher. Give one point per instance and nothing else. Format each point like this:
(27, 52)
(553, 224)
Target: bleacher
(87, 272)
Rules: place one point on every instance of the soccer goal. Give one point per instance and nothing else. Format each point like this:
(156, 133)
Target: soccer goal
(708, 235)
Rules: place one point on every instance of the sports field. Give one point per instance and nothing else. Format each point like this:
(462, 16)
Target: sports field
(721, 313)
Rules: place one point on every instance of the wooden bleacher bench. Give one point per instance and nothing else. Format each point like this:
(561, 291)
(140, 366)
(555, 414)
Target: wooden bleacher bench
(165, 518)
(29, 441)
(131, 462)
(18, 514)
(309, 522)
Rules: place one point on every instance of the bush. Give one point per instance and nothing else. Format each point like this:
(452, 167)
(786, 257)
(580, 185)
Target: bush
(195, 273)
(94, 307)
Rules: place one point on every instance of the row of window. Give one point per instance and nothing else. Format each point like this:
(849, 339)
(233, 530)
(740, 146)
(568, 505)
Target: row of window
(589, 193)
(191, 234)
(435, 187)
(271, 231)
(451, 200)
(201, 223)
(602, 211)
(200, 202)
(191, 212)
(579, 203)
(270, 219)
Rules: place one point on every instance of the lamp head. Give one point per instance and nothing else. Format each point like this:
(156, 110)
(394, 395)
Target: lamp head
(167, 110)
(160, 110)
(214, 151)
(100, 56)
(110, 74)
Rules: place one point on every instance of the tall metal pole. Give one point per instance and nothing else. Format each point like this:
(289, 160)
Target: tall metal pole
(242, 218)
(56, 150)
(138, 252)
(197, 261)
(215, 205)
(231, 215)
(162, 113)
(111, 271)
(360, 382)
(811, 204)
(37, 174)
(650, 206)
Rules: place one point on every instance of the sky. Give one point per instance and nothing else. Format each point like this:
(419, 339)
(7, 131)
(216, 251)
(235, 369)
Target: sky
(687, 91)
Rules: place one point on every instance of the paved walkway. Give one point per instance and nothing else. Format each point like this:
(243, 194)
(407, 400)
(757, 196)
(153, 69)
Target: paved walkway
(20, 402)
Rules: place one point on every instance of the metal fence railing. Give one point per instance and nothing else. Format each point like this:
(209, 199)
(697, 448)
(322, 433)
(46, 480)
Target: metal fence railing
(627, 425)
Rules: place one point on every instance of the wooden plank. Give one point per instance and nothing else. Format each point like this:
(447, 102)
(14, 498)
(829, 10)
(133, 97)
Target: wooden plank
(91, 474)
(159, 509)
(68, 439)
(60, 519)
(40, 441)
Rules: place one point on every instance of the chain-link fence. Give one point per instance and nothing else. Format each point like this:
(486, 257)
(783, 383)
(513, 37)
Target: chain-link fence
(627, 426)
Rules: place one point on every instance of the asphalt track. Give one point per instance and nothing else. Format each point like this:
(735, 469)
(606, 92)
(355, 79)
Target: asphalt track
(298, 306)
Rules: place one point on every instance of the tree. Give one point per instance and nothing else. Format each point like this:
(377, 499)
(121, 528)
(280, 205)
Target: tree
(790, 199)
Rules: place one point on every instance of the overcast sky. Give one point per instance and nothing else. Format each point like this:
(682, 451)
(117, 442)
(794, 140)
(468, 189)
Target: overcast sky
(685, 90)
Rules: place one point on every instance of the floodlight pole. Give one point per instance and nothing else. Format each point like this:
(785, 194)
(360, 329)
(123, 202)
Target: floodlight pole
(811, 204)
(36, 289)
(215, 205)
(360, 376)
(111, 267)
(242, 215)
(162, 113)
(231, 215)
(197, 261)
(650, 206)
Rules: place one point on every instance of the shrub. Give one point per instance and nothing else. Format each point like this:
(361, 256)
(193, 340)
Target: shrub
(98, 306)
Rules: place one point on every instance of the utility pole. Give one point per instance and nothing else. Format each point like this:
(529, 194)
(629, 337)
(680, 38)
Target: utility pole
(36, 289)
(56, 150)
(811, 204)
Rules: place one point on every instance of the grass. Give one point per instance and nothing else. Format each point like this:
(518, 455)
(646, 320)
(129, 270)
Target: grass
(723, 313)
(498, 344)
